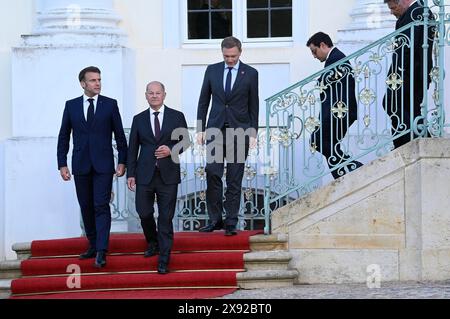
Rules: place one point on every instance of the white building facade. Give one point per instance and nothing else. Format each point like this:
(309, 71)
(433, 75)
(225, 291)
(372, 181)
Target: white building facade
(45, 43)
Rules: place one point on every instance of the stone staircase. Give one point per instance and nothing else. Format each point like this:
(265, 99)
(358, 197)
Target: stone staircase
(267, 265)
(10, 269)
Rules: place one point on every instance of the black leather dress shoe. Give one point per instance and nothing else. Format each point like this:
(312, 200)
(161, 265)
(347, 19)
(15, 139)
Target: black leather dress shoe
(100, 259)
(163, 269)
(211, 227)
(90, 253)
(153, 249)
(230, 231)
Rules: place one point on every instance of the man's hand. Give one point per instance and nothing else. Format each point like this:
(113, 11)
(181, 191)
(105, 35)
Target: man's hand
(201, 138)
(131, 183)
(120, 171)
(162, 152)
(253, 142)
(65, 174)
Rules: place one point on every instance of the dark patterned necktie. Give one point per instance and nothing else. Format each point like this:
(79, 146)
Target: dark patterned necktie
(157, 127)
(228, 82)
(90, 113)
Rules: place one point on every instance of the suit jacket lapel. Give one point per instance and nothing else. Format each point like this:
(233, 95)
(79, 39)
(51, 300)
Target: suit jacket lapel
(166, 120)
(80, 110)
(98, 108)
(148, 124)
(221, 75)
(241, 73)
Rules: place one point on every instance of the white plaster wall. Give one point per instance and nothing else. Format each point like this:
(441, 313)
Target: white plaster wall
(39, 204)
(39, 105)
(16, 18)
(156, 52)
(154, 33)
(2, 201)
(392, 213)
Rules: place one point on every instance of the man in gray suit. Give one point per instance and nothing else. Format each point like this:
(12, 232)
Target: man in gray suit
(230, 132)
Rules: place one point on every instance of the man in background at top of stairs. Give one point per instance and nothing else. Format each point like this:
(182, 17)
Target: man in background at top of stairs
(397, 100)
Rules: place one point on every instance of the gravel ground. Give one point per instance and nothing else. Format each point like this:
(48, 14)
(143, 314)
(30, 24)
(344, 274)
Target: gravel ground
(405, 290)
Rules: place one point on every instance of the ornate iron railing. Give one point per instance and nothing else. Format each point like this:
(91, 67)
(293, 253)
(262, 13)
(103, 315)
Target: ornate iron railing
(191, 212)
(288, 163)
(357, 108)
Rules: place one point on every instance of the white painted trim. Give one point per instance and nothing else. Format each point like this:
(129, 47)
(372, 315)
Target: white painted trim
(2, 202)
(172, 23)
(300, 22)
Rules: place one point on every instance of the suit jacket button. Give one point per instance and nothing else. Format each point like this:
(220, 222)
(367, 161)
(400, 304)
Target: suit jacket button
(226, 106)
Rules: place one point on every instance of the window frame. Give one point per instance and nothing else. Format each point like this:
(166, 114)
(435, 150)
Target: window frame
(271, 39)
(239, 27)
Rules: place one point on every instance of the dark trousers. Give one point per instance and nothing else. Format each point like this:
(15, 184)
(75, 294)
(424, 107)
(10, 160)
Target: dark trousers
(329, 144)
(94, 196)
(235, 151)
(166, 198)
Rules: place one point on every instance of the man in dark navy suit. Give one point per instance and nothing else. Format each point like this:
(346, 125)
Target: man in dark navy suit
(158, 135)
(339, 106)
(232, 128)
(397, 100)
(92, 119)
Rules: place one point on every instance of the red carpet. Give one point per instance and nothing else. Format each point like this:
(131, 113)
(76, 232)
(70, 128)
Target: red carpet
(202, 266)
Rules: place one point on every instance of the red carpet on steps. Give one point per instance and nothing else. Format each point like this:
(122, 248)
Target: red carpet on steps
(203, 265)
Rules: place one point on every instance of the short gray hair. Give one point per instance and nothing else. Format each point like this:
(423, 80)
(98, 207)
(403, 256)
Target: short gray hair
(159, 83)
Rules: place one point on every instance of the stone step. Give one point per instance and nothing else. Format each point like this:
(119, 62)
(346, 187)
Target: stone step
(5, 288)
(269, 242)
(267, 260)
(10, 269)
(23, 250)
(262, 279)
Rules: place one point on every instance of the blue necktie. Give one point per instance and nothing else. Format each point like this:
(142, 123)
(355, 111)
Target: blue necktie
(90, 113)
(228, 82)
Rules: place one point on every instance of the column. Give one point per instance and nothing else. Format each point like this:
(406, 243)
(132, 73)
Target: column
(371, 20)
(65, 39)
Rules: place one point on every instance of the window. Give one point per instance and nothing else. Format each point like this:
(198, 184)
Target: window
(210, 19)
(269, 18)
(248, 20)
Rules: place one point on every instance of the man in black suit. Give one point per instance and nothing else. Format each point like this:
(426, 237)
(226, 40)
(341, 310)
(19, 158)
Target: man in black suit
(397, 100)
(158, 135)
(92, 119)
(338, 109)
(232, 128)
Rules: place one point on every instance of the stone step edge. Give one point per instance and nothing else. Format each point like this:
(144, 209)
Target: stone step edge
(269, 239)
(23, 250)
(263, 279)
(267, 275)
(277, 256)
(9, 265)
(5, 288)
(10, 269)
